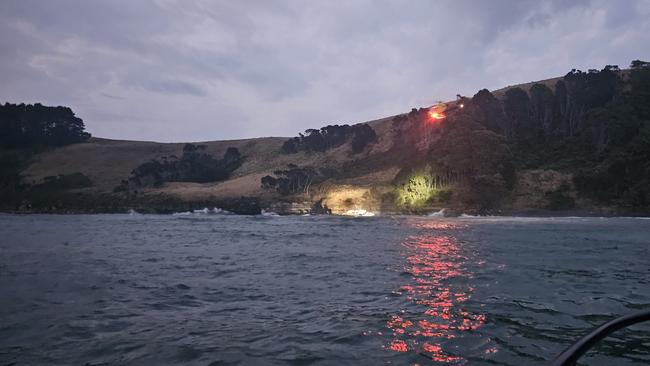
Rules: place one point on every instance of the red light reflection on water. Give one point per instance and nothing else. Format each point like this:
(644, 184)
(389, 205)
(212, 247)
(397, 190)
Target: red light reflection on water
(434, 260)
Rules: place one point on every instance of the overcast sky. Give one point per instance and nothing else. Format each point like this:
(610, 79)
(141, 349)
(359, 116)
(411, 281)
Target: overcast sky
(168, 70)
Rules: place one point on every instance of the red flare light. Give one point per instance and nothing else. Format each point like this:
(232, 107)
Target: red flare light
(434, 116)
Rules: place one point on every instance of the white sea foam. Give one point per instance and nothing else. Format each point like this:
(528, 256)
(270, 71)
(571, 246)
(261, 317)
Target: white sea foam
(359, 212)
(186, 213)
(204, 211)
(268, 213)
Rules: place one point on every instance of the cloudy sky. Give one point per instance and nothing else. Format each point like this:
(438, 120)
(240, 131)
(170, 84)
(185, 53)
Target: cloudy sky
(168, 70)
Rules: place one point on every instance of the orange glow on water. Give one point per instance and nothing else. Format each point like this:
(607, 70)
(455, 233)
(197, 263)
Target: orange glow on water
(398, 346)
(434, 261)
(437, 354)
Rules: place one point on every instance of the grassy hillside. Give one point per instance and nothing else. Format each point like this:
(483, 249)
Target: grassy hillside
(572, 142)
(107, 162)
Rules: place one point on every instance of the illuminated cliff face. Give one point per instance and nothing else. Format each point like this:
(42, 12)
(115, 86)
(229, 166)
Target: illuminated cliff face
(437, 269)
(345, 199)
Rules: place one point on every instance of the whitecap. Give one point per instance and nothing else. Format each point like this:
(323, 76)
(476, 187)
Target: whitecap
(466, 216)
(268, 213)
(185, 213)
(440, 213)
(359, 212)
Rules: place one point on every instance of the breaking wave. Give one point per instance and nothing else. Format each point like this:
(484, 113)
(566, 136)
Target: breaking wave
(203, 211)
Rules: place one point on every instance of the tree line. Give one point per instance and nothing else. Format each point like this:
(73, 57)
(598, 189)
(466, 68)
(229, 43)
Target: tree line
(331, 136)
(26, 125)
(194, 165)
(594, 124)
(294, 179)
(26, 129)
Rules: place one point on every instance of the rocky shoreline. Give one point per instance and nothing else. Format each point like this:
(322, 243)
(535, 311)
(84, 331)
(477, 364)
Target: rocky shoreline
(162, 204)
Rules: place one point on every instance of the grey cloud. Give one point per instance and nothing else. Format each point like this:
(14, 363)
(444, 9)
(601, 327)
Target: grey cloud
(112, 96)
(174, 87)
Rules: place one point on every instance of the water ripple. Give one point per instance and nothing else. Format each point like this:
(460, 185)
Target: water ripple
(231, 290)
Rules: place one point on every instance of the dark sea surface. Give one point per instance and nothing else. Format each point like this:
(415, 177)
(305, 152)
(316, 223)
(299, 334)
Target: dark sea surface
(232, 290)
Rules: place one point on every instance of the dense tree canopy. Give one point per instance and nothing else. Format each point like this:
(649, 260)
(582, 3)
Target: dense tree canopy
(475, 159)
(26, 125)
(193, 166)
(293, 180)
(331, 136)
(595, 125)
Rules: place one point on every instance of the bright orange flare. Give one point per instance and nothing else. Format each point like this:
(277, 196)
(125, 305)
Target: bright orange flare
(435, 115)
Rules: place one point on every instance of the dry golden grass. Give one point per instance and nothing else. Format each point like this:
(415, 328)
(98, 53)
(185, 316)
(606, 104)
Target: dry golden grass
(107, 162)
(247, 185)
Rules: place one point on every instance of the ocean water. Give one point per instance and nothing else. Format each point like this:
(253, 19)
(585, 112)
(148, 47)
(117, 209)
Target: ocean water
(213, 289)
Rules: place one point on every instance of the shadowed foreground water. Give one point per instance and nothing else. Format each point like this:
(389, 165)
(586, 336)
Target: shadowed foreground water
(228, 290)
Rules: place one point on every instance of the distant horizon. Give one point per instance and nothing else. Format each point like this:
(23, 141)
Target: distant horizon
(183, 70)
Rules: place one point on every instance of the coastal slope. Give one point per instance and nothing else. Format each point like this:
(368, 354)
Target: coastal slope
(572, 143)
